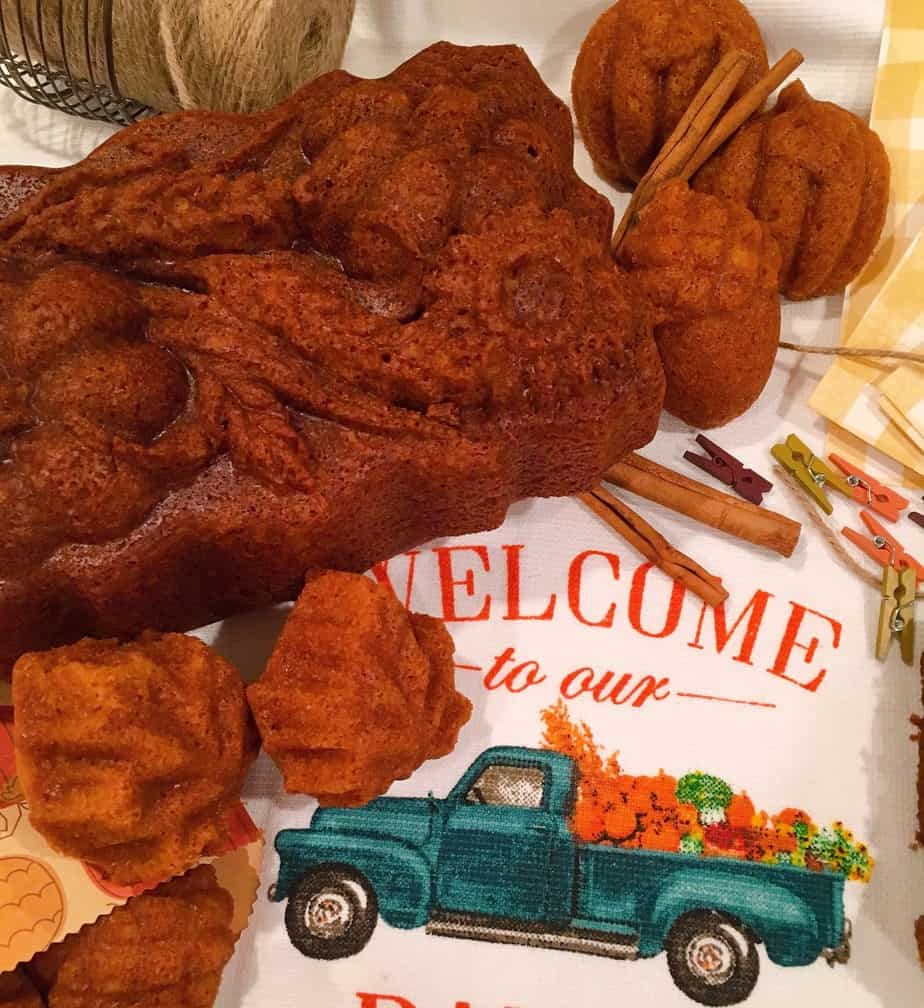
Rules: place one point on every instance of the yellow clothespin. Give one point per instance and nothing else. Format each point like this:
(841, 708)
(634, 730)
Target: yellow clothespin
(810, 472)
(896, 612)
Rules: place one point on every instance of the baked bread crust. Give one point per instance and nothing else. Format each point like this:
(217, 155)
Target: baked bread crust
(374, 315)
(165, 947)
(708, 270)
(17, 991)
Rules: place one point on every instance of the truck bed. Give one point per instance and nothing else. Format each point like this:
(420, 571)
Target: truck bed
(618, 884)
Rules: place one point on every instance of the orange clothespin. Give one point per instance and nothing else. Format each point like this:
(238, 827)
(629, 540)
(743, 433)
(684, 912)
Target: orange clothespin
(884, 548)
(882, 499)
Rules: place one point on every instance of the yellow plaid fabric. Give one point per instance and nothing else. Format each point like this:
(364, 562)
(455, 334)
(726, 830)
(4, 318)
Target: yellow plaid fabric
(884, 307)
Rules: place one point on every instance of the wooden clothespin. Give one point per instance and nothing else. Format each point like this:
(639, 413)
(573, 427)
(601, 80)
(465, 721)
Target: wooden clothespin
(729, 470)
(810, 472)
(896, 613)
(917, 517)
(881, 499)
(884, 548)
(900, 576)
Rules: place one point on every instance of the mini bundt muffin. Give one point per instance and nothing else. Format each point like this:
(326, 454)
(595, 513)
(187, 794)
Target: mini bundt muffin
(131, 756)
(164, 949)
(357, 693)
(708, 270)
(18, 991)
(639, 68)
(819, 177)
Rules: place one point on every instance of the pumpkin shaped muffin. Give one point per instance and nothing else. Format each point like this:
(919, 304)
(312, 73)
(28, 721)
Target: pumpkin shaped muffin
(819, 177)
(132, 755)
(640, 66)
(357, 693)
(166, 947)
(707, 269)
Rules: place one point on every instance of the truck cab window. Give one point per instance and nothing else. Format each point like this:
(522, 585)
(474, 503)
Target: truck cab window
(519, 786)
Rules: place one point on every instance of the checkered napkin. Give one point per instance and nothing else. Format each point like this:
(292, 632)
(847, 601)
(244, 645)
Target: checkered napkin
(885, 306)
(877, 401)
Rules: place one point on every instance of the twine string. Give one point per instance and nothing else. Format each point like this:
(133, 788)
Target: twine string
(231, 55)
(858, 352)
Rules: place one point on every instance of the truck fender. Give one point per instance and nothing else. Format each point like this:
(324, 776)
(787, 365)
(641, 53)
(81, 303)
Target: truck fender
(400, 875)
(776, 916)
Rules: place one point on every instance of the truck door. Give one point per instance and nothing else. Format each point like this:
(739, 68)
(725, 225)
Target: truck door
(497, 840)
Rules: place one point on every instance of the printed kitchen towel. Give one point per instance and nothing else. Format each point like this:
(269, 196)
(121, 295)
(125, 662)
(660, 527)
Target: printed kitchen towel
(764, 730)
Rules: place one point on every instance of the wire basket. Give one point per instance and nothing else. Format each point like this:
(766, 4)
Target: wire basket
(41, 64)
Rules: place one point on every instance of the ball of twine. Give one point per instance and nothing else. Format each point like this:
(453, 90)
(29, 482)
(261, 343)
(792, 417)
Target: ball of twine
(230, 55)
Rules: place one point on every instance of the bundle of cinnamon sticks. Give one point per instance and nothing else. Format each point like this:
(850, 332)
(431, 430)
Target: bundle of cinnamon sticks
(704, 127)
(695, 500)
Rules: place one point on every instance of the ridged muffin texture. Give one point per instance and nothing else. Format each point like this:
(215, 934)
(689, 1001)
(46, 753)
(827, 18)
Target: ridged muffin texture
(358, 692)
(819, 177)
(707, 268)
(132, 755)
(641, 65)
(164, 949)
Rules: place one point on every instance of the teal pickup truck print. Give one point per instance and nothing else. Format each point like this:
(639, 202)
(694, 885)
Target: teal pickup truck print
(496, 860)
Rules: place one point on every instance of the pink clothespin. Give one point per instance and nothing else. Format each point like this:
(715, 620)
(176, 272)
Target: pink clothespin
(882, 499)
(882, 547)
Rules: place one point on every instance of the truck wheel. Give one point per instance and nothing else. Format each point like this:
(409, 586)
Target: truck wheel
(712, 959)
(331, 913)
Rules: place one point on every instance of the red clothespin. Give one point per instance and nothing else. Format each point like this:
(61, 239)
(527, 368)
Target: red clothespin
(883, 500)
(882, 547)
(729, 470)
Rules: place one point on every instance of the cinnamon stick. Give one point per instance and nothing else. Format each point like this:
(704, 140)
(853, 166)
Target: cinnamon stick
(652, 545)
(722, 511)
(707, 102)
(703, 128)
(694, 124)
(742, 110)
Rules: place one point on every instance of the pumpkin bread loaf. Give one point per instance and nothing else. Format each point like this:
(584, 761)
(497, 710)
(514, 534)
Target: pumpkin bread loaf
(236, 349)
